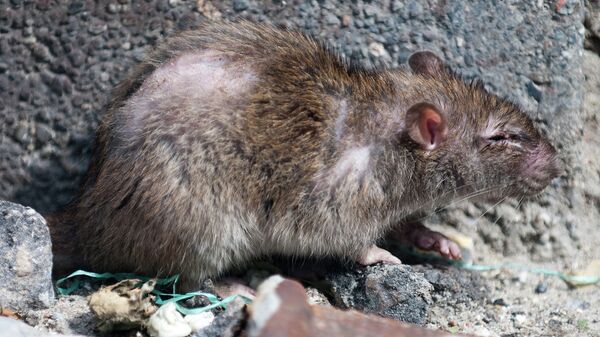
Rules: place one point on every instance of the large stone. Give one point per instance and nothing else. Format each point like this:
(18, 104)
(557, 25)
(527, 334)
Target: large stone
(394, 291)
(281, 310)
(25, 259)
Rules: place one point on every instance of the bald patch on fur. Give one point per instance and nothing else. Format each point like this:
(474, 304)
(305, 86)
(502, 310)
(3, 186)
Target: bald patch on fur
(202, 77)
(353, 164)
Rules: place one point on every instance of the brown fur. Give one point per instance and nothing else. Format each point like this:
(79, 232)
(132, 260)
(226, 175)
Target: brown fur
(311, 158)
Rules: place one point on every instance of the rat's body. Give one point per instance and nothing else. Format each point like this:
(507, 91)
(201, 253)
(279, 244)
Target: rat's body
(237, 141)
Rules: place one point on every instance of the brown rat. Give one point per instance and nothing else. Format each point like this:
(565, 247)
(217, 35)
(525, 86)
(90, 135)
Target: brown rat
(239, 140)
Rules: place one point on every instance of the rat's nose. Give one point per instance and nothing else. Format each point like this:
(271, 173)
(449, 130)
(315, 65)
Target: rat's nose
(555, 166)
(541, 166)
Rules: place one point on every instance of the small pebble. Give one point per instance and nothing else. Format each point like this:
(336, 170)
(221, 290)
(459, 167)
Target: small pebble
(541, 288)
(519, 319)
(346, 20)
(377, 49)
(332, 20)
(501, 302)
(240, 5)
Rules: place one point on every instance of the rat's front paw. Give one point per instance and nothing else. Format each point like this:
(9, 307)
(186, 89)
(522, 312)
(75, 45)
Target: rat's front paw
(375, 254)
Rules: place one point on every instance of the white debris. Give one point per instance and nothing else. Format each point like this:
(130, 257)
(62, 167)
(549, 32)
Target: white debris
(199, 321)
(168, 322)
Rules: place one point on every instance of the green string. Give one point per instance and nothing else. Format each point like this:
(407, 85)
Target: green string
(161, 297)
(573, 279)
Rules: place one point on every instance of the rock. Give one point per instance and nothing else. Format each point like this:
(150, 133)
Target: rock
(456, 285)
(519, 319)
(501, 302)
(240, 5)
(281, 309)
(316, 297)
(13, 328)
(377, 49)
(226, 324)
(394, 291)
(43, 134)
(68, 315)
(541, 288)
(332, 20)
(75, 7)
(25, 259)
(346, 20)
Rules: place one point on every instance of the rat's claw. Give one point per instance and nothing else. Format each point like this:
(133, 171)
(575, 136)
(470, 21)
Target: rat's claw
(455, 252)
(375, 254)
(426, 239)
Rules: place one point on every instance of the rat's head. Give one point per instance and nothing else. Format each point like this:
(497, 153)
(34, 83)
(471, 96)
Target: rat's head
(467, 141)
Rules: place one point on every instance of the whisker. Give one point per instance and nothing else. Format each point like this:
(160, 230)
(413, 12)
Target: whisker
(467, 197)
(489, 209)
(473, 195)
(520, 201)
(498, 218)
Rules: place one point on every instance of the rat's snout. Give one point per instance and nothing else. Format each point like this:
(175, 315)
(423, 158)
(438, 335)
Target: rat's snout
(554, 165)
(541, 166)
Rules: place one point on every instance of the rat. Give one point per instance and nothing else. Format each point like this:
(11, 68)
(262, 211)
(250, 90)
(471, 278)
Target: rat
(236, 141)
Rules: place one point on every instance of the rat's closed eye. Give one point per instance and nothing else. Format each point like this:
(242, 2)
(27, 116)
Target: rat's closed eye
(504, 137)
(500, 136)
(501, 139)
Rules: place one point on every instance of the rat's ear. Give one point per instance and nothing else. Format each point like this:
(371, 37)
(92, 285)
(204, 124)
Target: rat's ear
(425, 63)
(426, 125)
